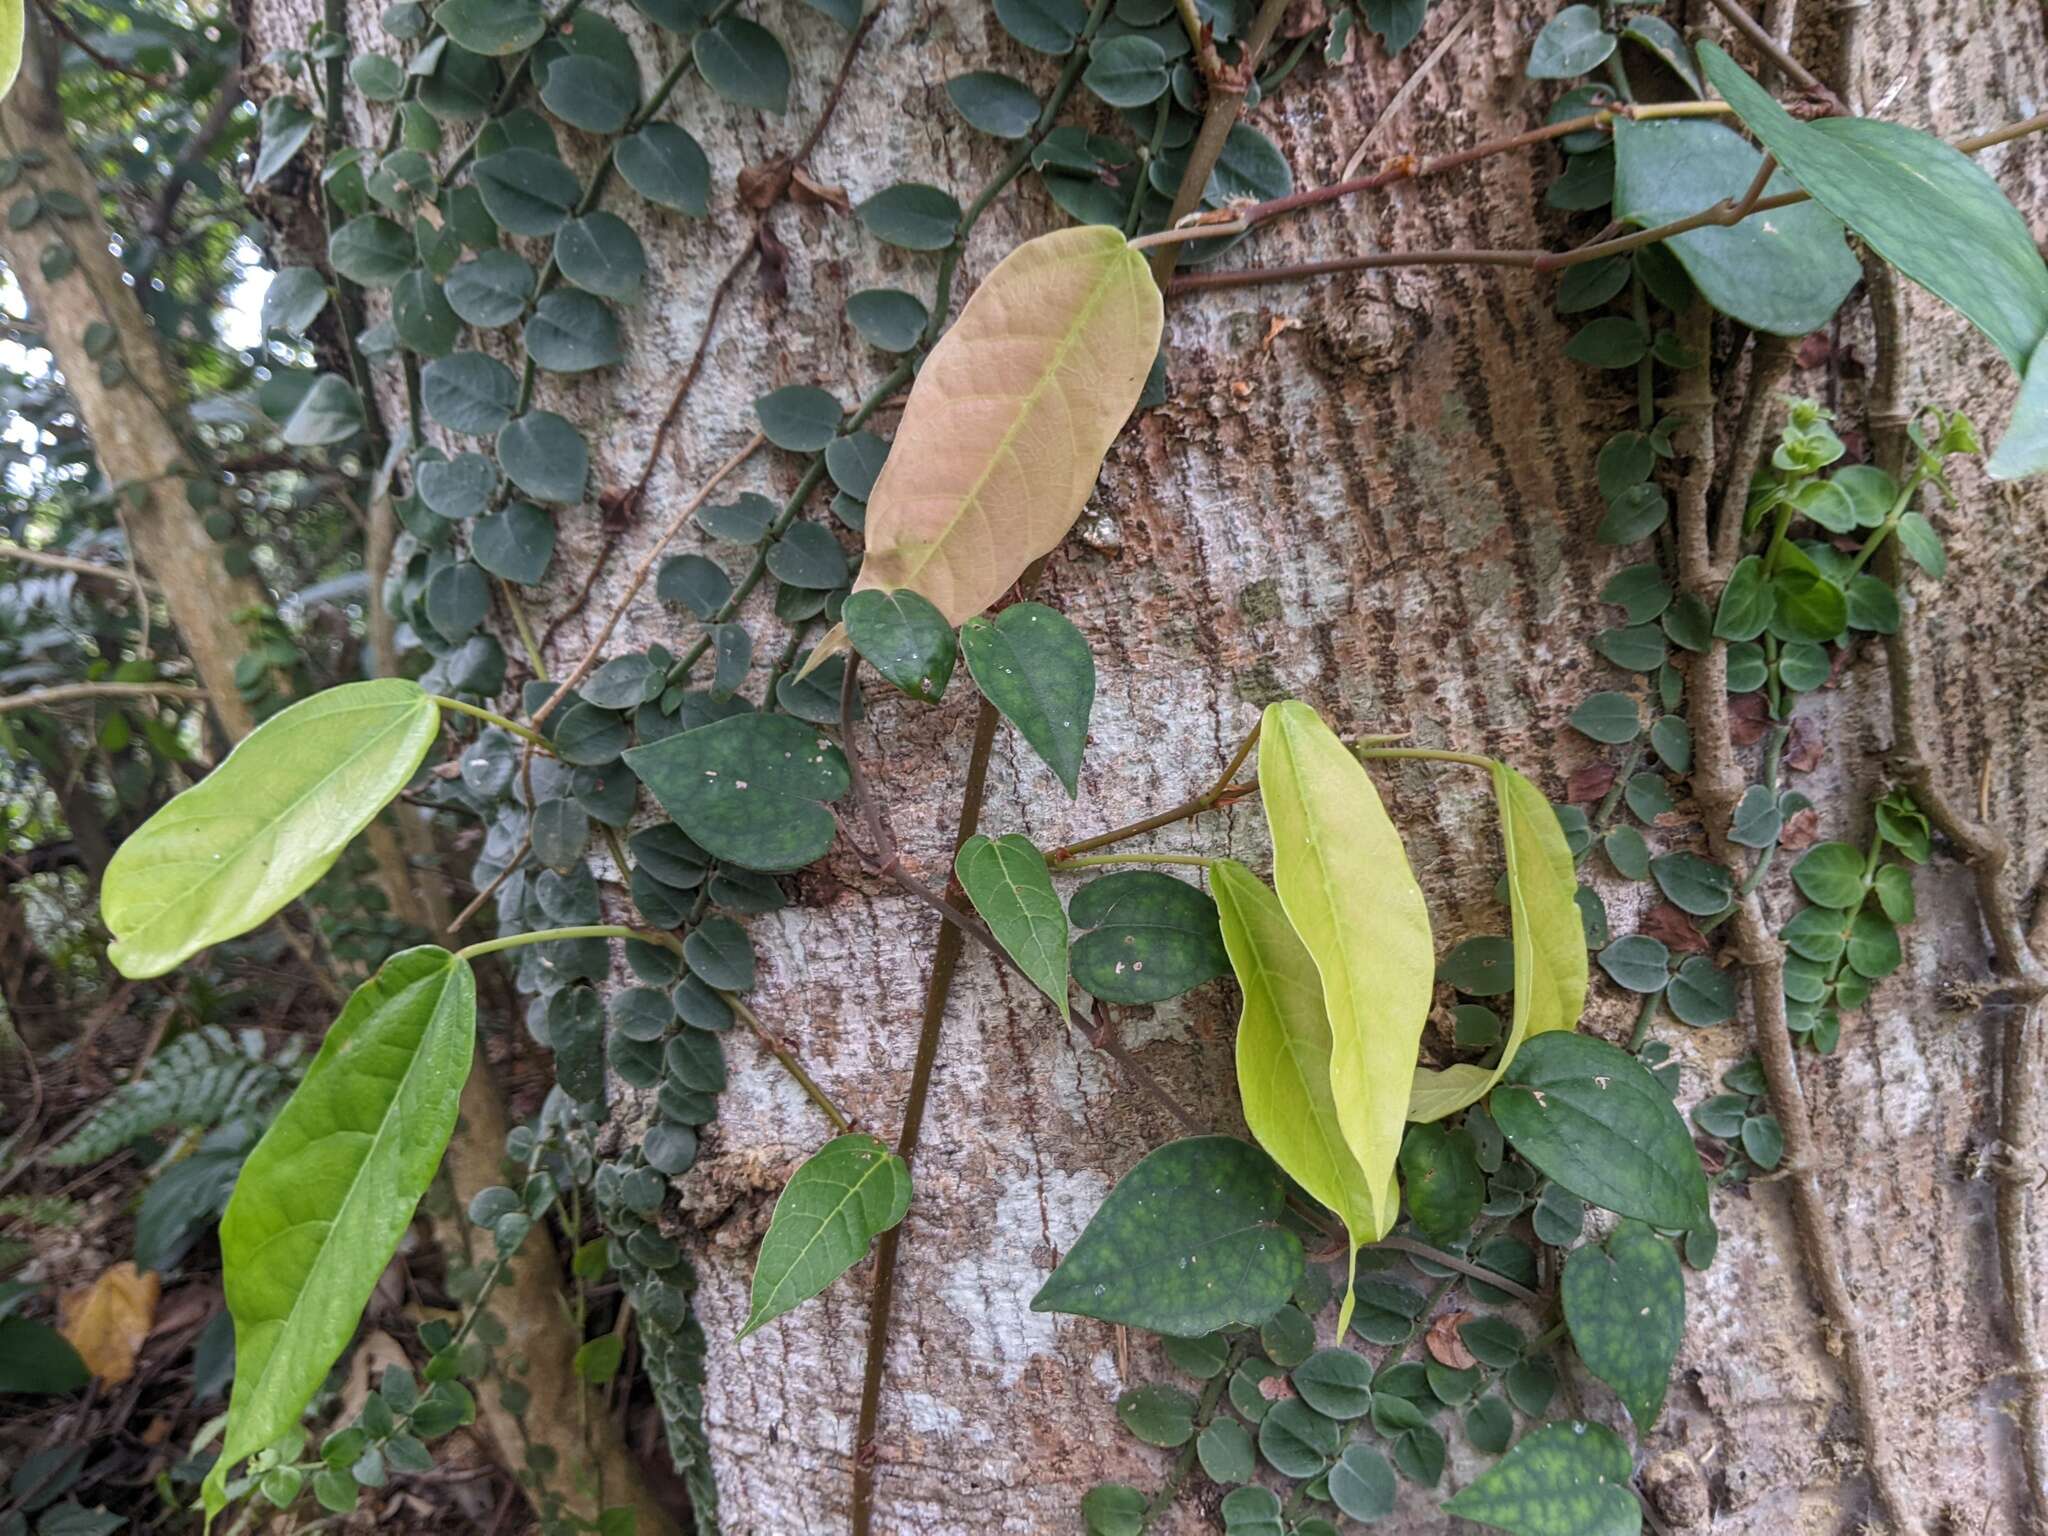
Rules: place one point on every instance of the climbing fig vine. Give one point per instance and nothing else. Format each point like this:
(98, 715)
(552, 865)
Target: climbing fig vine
(1426, 1114)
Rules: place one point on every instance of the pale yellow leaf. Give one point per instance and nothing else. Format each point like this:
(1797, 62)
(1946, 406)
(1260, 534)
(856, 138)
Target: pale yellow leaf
(107, 1320)
(1344, 881)
(1550, 944)
(1283, 1057)
(1006, 428)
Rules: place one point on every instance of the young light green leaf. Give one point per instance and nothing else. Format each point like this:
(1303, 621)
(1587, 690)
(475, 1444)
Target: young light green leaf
(1344, 881)
(748, 788)
(1189, 1241)
(1550, 944)
(1006, 879)
(1924, 206)
(1007, 426)
(1560, 1480)
(1591, 1117)
(1625, 1305)
(263, 826)
(1035, 667)
(846, 1194)
(1784, 271)
(1283, 1057)
(327, 1193)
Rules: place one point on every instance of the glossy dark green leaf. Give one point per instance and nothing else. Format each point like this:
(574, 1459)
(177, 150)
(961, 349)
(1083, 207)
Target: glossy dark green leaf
(744, 521)
(748, 788)
(1786, 270)
(371, 250)
(1624, 1302)
(1126, 71)
(1589, 1116)
(329, 412)
(888, 318)
(1050, 26)
(1189, 1241)
(1006, 879)
(1628, 853)
(1693, 884)
(1925, 207)
(1635, 514)
(855, 462)
(1922, 544)
(847, 1193)
(1573, 42)
(1226, 1452)
(1482, 966)
(599, 252)
(294, 299)
(1337, 1383)
(458, 85)
(459, 487)
(1612, 718)
(588, 93)
(665, 165)
(286, 125)
(904, 638)
(1440, 1180)
(1159, 1415)
(377, 75)
(1035, 667)
(1831, 875)
(808, 556)
(527, 191)
(1296, 1441)
(469, 392)
(544, 456)
(1671, 740)
(1569, 1479)
(36, 1358)
(1114, 1509)
(719, 952)
(994, 103)
(1612, 341)
(492, 27)
(1639, 648)
(491, 290)
(1701, 993)
(330, 1189)
(745, 63)
(1150, 937)
(573, 333)
(1665, 43)
(2023, 450)
(799, 417)
(912, 215)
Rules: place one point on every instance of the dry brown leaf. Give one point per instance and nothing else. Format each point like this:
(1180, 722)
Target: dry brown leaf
(1675, 929)
(1801, 828)
(1446, 1344)
(1749, 719)
(806, 190)
(107, 1320)
(1804, 748)
(761, 186)
(1588, 785)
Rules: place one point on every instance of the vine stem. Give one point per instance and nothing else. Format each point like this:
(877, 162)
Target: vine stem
(2017, 956)
(523, 732)
(587, 931)
(1102, 860)
(1725, 213)
(1426, 755)
(640, 574)
(1208, 800)
(790, 1063)
(1718, 786)
(1771, 49)
(65, 693)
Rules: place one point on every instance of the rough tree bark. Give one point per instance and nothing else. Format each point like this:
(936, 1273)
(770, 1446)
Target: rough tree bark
(1377, 493)
(127, 416)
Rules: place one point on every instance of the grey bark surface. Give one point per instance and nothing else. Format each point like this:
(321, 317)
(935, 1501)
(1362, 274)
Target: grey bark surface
(1378, 494)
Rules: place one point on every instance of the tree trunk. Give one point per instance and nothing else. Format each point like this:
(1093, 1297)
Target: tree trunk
(127, 412)
(1377, 493)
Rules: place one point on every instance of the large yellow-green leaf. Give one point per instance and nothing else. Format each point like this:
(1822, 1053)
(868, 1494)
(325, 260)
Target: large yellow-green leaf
(1344, 880)
(1007, 425)
(1550, 944)
(13, 21)
(269, 821)
(1283, 1056)
(329, 1190)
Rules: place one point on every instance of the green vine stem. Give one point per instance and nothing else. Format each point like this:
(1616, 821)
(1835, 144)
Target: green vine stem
(790, 1064)
(1102, 860)
(525, 733)
(1219, 793)
(585, 931)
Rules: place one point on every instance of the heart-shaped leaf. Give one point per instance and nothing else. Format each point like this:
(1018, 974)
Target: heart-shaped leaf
(1625, 1305)
(1343, 878)
(1189, 1241)
(1283, 1056)
(906, 639)
(1150, 937)
(1007, 426)
(1591, 1117)
(1560, 1480)
(330, 1189)
(748, 788)
(1035, 667)
(1006, 879)
(846, 1194)
(230, 851)
(1549, 944)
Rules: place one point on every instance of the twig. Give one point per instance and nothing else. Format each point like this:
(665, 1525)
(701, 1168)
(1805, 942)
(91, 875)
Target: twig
(1985, 850)
(640, 574)
(1227, 90)
(1408, 88)
(477, 901)
(1466, 1267)
(684, 384)
(25, 556)
(65, 693)
(1770, 362)
(1101, 1033)
(1771, 49)
(1215, 795)
(790, 1064)
(105, 61)
(218, 116)
(1718, 786)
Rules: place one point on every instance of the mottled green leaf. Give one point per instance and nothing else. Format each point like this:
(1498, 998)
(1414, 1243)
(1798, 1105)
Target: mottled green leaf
(1567, 1479)
(1150, 937)
(1035, 667)
(904, 637)
(748, 788)
(1625, 1305)
(846, 1194)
